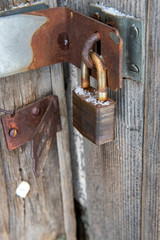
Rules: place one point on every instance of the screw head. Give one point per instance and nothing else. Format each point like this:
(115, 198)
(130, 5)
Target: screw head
(134, 68)
(35, 111)
(133, 31)
(13, 132)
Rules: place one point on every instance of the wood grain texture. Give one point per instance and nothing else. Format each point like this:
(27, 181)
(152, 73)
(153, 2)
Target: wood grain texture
(108, 179)
(47, 212)
(40, 215)
(64, 153)
(151, 157)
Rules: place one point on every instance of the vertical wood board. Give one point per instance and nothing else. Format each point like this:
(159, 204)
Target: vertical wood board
(151, 155)
(108, 179)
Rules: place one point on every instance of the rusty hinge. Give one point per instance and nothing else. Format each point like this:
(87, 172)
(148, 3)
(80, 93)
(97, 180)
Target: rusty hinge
(38, 122)
(54, 35)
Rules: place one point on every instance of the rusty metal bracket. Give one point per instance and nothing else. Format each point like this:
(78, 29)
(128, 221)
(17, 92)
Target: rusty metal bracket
(38, 122)
(45, 37)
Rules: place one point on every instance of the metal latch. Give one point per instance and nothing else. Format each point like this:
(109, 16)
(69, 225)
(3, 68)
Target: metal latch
(131, 30)
(38, 122)
(45, 37)
(42, 38)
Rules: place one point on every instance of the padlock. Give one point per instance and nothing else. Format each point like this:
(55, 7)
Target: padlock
(93, 111)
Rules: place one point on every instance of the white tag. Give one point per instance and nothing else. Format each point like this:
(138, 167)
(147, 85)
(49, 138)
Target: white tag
(23, 189)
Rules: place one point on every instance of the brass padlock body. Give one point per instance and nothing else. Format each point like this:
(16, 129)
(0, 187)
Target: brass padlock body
(95, 120)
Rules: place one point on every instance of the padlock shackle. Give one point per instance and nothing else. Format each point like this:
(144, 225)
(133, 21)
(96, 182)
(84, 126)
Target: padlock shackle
(85, 78)
(101, 76)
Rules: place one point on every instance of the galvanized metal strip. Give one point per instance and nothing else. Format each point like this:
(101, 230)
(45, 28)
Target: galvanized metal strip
(132, 32)
(15, 42)
(24, 9)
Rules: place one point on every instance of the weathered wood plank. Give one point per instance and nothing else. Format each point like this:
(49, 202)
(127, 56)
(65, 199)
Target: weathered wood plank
(108, 179)
(64, 154)
(48, 210)
(41, 213)
(151, 155)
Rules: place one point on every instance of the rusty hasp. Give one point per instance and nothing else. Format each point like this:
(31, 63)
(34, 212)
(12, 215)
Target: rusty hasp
(88, 46)
(38, 122)
(45, 37)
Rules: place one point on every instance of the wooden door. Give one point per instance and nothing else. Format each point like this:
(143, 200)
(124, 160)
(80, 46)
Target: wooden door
(47, 213)
(117, 185)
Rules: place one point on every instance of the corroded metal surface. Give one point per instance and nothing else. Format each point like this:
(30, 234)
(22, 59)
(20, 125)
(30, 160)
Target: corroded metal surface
(45, 37)
(85, 78)
(83, 27)
(89, 46)
(101, 76)
(39, 122)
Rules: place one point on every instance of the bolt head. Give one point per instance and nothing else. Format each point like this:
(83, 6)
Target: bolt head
(35, 111)
(134, 32)
(13, 132)
(134, 68)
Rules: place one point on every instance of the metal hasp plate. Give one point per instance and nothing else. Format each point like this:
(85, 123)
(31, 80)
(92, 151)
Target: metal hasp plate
(131, 31)
(38, 122)
(42, 38)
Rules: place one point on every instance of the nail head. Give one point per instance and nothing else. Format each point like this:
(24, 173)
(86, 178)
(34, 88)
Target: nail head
(35, 111)
(13, 132)
(134, 32)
